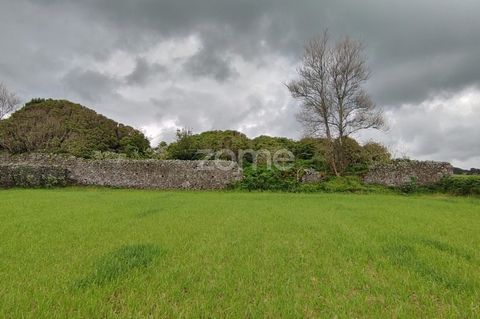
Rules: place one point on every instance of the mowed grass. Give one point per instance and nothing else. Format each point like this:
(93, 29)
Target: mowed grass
(92, 253)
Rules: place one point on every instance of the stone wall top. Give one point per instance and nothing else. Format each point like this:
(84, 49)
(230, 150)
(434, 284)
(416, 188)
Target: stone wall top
(158, 174)
(398, 173)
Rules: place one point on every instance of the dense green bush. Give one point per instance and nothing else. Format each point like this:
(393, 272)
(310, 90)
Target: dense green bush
(184, 148)
(355, 159)
(264, 178)
(311, 153)
(62, 127)
(459, 185)
(189, 146)
(315, 153)
(217, 141)
(343, 184)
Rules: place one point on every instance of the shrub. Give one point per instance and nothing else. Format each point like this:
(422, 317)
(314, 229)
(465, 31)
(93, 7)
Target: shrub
(189, 146)
(376, 153)
(264, 178)
(343, 184)
(185, 147)
(459, 185)
(63, 127)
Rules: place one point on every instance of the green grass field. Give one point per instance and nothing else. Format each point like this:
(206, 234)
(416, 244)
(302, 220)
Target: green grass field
(91, 253)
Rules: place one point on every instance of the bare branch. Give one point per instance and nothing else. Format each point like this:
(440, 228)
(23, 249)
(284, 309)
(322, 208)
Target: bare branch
(330, 87)
(8, 101)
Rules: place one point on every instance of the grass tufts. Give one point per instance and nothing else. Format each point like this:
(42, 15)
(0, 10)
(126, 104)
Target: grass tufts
(118, 263)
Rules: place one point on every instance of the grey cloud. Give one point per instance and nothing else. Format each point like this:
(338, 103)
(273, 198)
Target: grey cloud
(144, 72)
(196, 110)
(201, 111)
(433, 131)
(90, 85)
(207, 63)
(400, 36)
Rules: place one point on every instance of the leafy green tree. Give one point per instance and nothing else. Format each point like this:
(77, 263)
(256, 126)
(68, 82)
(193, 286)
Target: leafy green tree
(189, 146)
(63, 127)
(376, 153)
(185, 147)
(272, 144)
(232, 142)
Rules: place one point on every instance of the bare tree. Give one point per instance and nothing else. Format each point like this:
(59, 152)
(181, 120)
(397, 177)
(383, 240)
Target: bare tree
(330, 86)
(8, 101)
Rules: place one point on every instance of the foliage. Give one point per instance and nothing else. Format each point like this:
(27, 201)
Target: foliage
(351, 158)
(344, 184)
(272, 179)
(459, 185)
(134, 145)
(207, 145)
(330, 86)
(312, 153)
(472, 171)
(262, 178)
(348, 155)
(309, 152)
(309, 147)
(185, 147)
(376, 153)
(59, 126)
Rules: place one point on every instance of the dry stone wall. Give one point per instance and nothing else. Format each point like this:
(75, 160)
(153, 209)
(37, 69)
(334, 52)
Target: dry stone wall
(399, 173)
(15, 175)
(137, 173)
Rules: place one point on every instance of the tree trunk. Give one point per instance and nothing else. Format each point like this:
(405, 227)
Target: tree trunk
(331, 146)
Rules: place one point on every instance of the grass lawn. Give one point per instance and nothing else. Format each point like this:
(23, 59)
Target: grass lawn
(82, 252)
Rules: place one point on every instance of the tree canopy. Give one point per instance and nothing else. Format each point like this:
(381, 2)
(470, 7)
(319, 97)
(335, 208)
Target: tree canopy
(310, 152)
(63, 127)
(330, 85)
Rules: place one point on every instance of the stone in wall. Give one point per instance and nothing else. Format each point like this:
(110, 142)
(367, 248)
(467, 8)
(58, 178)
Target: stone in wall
(15, 175)
(399, 173)
(311, 176)
(139, 173)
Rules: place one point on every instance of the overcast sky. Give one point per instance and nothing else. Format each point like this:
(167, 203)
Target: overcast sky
(220, 64)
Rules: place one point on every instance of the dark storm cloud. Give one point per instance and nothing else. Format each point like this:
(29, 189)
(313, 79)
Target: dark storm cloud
(417, 48)
(144, 72)
(208, 63)
(90, 85)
